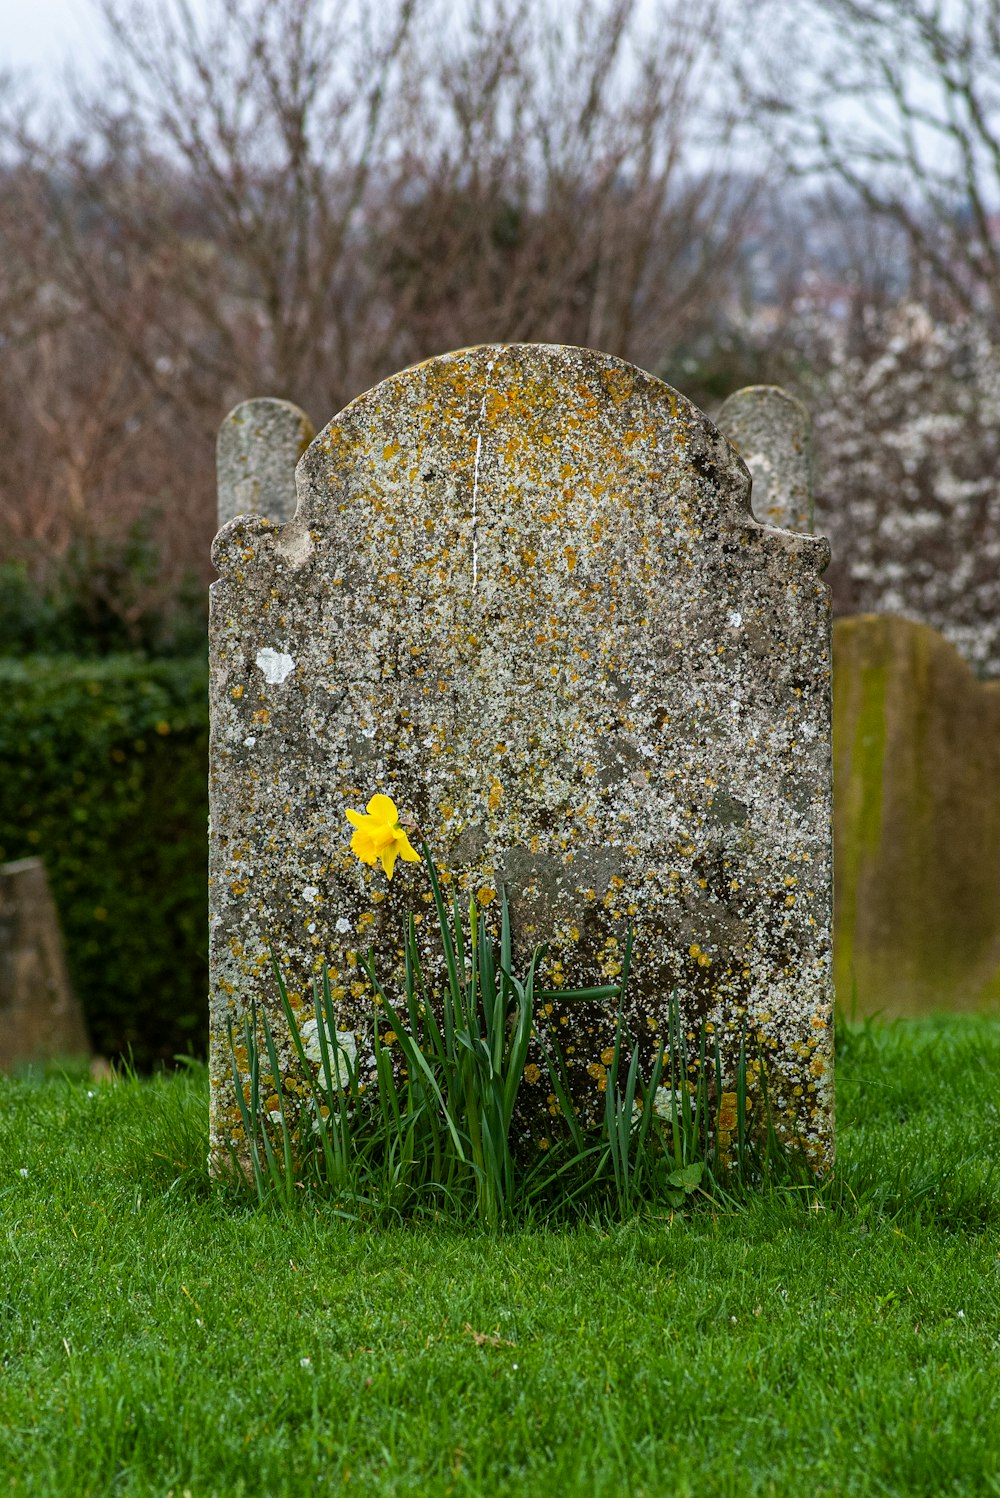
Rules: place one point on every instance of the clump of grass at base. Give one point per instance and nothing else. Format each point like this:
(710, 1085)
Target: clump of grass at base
(435, 1131)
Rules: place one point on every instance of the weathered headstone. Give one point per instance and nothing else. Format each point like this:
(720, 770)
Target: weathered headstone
(917, 764)
(772, 432)
(40, 1019)
(523, 593)
(259, 444)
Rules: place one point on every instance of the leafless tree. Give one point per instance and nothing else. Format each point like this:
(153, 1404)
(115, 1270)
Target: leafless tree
(898, 103)
(297, 197)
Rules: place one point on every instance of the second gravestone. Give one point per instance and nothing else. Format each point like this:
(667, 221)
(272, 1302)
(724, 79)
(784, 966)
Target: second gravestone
(524, 594)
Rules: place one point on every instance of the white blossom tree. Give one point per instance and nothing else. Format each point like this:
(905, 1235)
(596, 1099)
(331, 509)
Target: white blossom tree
(907, 430)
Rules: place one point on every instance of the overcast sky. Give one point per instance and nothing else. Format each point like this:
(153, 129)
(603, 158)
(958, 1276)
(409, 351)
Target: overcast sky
(44, 35)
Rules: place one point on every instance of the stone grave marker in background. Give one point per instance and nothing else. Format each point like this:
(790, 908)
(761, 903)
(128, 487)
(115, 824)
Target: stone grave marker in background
(259, 444)
(40, 1019)
(524, 594)
(917, 746)
(772, 432)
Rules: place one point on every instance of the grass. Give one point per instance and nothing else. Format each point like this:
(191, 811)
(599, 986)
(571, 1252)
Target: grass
(159, 1338)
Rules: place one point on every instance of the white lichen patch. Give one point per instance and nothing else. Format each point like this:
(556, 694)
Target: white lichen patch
(342, 1059)
(275, 664)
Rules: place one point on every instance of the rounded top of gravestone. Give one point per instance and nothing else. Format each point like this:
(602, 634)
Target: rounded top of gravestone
(518, 435)
(572, 413)
(456, 503)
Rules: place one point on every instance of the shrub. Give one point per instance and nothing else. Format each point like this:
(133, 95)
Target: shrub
(99, 597)
(105, 777)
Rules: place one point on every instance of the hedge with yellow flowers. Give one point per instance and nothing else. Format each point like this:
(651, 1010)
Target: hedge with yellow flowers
(103, 771)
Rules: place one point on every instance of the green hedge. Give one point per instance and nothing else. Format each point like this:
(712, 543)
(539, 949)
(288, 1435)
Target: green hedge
(103, 773)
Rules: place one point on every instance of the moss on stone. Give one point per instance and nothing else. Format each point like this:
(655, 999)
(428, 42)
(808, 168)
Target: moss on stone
(917, 818)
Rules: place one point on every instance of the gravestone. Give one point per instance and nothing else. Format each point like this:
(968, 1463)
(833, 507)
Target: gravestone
(524, 594)
(259, 444)
(772, 432)
(917, 761)
(40, 1019)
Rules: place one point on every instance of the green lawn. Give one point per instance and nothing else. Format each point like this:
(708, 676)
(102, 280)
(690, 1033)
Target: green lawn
(157, 1338)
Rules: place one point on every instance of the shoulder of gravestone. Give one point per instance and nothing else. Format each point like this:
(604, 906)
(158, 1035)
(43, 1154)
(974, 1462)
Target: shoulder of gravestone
(776, 397)
(810, 552)
(239, 541)
(255, 543)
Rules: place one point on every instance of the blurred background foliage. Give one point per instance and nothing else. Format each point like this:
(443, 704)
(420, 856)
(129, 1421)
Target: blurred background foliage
(104, 775)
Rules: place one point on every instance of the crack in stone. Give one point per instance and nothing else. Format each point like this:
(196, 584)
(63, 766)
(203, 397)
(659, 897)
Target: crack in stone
(475, 475)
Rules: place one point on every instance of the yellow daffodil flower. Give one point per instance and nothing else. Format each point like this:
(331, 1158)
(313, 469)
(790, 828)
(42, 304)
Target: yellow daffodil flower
(379, 835)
